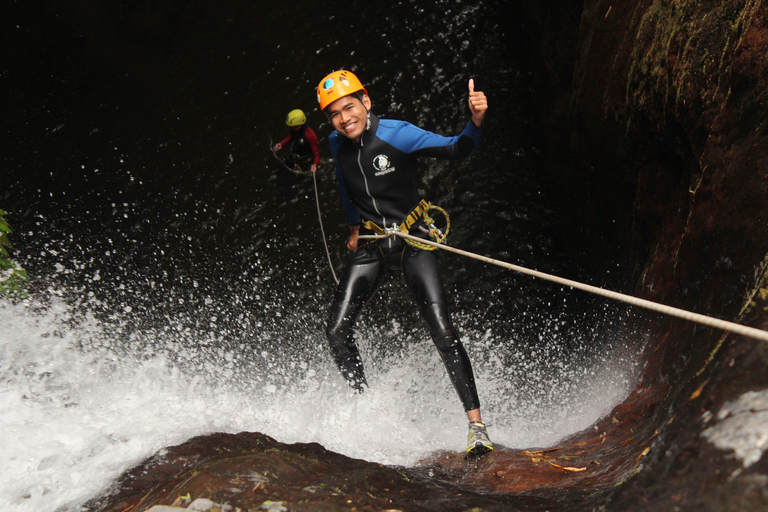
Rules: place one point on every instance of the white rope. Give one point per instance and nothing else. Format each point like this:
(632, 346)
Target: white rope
(320, 219)
(635, 301)
(317, 201)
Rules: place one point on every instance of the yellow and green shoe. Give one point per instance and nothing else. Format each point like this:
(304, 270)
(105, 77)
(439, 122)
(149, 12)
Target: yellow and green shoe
(478, 442)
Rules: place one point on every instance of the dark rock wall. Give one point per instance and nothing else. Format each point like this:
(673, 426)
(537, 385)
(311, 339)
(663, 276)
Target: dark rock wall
(668, 174)
(669, 133)
(669, 139)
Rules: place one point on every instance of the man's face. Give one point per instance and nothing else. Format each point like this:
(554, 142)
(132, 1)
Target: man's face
(349, 115)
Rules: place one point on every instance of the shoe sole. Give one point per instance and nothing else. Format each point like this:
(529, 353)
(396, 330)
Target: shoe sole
(479, 450)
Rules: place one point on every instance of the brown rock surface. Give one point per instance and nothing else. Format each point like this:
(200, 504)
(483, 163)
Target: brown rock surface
(250, 471)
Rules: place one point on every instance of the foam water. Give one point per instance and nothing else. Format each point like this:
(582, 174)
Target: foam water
(80, 406)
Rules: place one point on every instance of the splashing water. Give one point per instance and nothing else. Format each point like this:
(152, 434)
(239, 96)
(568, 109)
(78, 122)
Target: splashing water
(81, 406)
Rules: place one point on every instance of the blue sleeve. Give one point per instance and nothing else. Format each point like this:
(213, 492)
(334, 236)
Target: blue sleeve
(413, 140)
(353, 216)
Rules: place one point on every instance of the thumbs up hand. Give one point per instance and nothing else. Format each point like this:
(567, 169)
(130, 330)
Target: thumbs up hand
(478, 104)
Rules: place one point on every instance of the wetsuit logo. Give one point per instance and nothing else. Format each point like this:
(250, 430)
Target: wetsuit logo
(382, 165)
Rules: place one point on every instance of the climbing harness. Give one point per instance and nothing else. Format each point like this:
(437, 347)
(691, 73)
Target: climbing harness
(282, 162)
(628, 299)
(419, 213)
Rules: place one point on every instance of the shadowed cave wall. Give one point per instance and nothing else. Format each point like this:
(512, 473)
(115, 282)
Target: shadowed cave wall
(667, 169)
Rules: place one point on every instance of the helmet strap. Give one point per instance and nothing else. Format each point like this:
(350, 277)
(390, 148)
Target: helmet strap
(360, 95)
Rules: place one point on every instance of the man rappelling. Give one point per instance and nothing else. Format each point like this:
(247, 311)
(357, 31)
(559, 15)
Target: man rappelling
(301, 141)
(378, 183)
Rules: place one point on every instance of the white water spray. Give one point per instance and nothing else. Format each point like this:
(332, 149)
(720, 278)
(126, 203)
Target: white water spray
(78, 412)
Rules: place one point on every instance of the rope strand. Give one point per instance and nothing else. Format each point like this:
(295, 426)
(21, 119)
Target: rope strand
(629, 299)
(320, 219)
(317, 201)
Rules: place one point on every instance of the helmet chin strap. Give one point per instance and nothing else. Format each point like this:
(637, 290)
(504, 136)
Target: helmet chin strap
(360, 95)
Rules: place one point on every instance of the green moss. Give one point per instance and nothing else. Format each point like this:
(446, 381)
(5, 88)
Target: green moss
(13, 278)
(676, 46)
(757, 299)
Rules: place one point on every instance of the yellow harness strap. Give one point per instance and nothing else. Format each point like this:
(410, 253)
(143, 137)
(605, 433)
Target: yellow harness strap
(410, 219)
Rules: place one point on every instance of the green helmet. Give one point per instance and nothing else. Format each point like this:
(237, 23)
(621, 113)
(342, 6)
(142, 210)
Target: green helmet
(295, 118)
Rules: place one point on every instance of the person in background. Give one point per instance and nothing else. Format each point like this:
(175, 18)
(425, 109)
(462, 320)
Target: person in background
(301, 142)
(378, 183)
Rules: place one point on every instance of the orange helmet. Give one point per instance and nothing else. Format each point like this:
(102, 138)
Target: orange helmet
(337, 85)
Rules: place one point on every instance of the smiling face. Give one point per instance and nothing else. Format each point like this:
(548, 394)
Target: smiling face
(349, 115)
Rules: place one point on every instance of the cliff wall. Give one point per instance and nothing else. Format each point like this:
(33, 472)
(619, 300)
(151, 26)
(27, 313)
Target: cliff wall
(668, 173)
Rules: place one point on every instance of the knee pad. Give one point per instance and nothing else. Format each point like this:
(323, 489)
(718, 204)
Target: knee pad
(440, 327)
(446, 342)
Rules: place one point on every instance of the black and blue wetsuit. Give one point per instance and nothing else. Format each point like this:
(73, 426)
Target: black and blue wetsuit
(378, 182)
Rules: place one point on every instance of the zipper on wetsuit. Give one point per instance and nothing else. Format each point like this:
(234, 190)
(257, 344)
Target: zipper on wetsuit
(367, 189)
(362, 172)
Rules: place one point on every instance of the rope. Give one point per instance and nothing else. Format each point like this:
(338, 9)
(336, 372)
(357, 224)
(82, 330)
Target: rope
(285, 166)
(320, 219)
(635, 301)
(434, 232)
(317, 201)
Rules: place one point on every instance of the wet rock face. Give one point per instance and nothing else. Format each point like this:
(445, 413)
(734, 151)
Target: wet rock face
(679, 89)
(669, 134)
(250, 471)
(667, 176)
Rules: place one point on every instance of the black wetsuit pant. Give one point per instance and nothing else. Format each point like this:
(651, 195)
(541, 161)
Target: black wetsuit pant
(360, 281)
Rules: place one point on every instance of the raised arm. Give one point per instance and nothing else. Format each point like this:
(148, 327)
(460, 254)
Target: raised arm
(478, 104)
